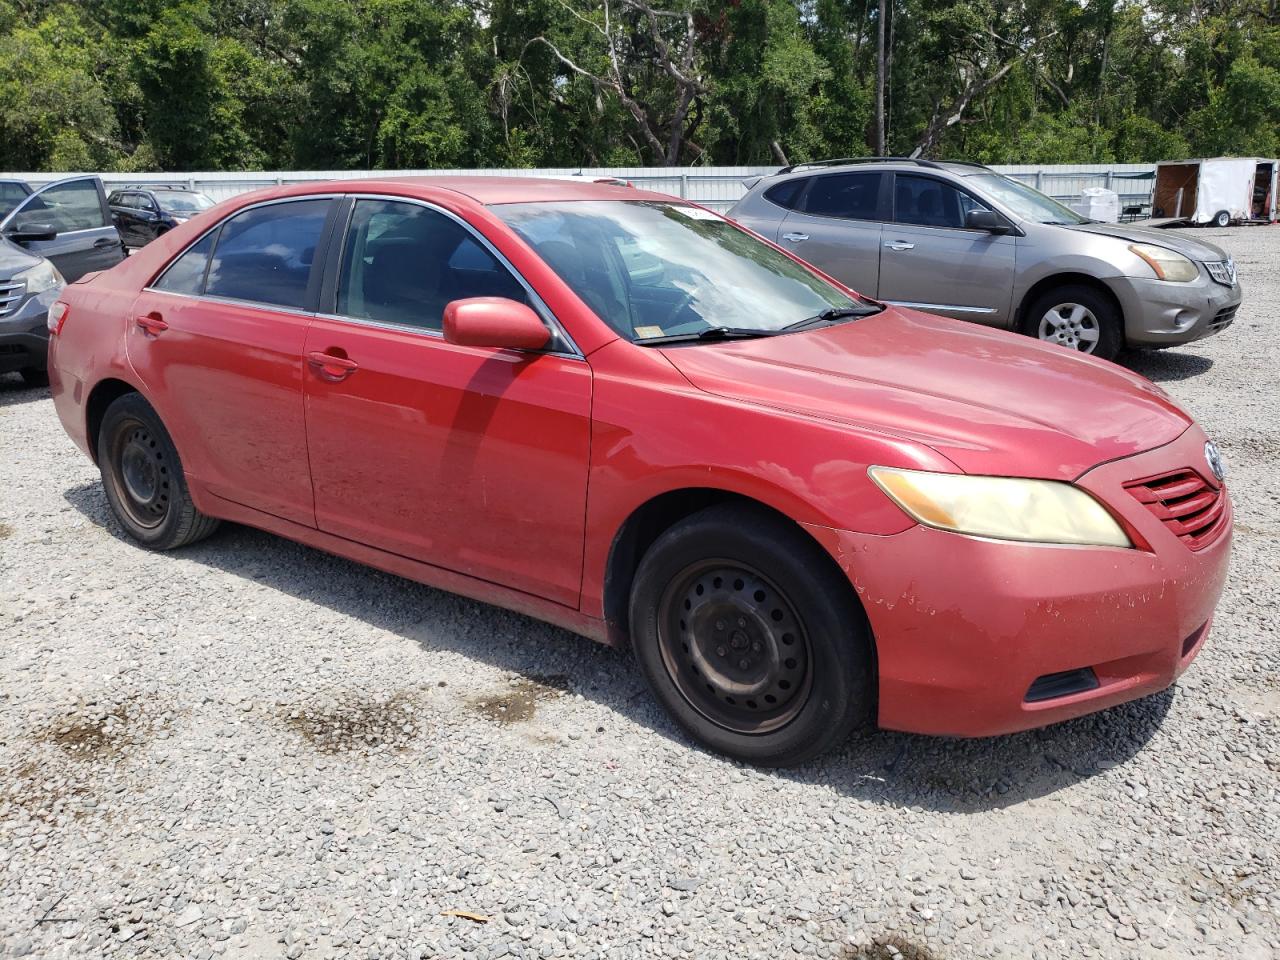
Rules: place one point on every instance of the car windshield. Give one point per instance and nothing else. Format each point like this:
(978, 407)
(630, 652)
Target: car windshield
(1027, 202)
(652, 269)
(184, 202)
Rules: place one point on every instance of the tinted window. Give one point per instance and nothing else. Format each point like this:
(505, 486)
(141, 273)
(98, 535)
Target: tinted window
(786, 194)
(402, 263)
(11, 194)
(854, 196)
(264, 255)
(186, 274)
(68, 206)
(930, 203)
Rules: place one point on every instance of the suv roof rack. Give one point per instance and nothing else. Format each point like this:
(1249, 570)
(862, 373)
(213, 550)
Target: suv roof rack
(848, 161)
(155, 186)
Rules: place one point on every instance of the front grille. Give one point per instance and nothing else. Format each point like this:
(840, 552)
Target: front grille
(1223, 318)
(1193, 510)
(1223, 271)
(11, 294)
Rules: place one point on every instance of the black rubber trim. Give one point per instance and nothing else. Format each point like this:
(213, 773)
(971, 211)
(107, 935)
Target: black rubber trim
(1054, 685)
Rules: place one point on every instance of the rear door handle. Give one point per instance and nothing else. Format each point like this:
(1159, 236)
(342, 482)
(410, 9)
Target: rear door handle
(106, 242)
(795, 237)
(152, 324)
(900, 245)
(330, 366)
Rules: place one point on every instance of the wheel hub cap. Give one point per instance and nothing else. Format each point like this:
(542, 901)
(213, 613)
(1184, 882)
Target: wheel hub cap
(734, 647)
(1072, 325)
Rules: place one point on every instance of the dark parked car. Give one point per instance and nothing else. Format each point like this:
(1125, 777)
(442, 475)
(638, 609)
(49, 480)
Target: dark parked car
(48, 237)
(142, 214)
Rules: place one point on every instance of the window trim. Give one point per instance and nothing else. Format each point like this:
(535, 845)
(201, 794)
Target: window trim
(327, 309)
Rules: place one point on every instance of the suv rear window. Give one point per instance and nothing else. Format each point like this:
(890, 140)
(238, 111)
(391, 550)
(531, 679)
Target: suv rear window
(786, 194)
(853, 196)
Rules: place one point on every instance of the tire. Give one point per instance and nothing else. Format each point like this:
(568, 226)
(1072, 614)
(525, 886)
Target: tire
(1222, 219)
(34, 376)
(1087, 320)
(142, 476)
(792, 677)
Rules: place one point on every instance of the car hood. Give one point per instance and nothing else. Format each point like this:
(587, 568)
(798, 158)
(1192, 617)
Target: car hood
(991, 402)
(1180, 242)
(13, 259)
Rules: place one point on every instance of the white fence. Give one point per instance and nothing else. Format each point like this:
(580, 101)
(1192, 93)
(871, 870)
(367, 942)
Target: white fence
(716, 187)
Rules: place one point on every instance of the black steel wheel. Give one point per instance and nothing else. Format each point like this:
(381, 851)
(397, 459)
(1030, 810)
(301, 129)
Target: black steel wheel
(143, 479)
(750, 636)
(734, 647)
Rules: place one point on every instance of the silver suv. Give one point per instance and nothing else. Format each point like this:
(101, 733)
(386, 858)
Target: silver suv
(961, 240)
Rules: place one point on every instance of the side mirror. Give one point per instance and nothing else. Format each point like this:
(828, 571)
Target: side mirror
(987, 220)
(494, 322)
(28, 231)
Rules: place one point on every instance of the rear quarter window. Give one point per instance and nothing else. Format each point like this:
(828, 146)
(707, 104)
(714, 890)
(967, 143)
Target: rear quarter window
(786, 194)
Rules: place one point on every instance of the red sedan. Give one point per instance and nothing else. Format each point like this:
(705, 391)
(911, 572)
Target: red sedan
(623, 414)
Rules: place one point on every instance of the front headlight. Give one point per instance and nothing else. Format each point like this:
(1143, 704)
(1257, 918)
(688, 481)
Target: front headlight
(1167, 264)
(1004, 508)
(43, 276)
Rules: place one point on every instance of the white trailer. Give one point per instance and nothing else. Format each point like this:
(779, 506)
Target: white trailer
(1217, 190)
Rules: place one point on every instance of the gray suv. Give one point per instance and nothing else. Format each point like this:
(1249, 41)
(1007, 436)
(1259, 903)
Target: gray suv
(964, 241)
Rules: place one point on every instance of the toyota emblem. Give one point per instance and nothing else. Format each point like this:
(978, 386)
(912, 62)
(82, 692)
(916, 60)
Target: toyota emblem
(1214, 459)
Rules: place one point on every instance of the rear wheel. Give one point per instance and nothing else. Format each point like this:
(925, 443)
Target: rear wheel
(1222, 219)
(1076, 317)
(143, 479)
(750, 638)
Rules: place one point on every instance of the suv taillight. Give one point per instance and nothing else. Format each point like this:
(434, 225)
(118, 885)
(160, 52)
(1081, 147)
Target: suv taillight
(57, 317)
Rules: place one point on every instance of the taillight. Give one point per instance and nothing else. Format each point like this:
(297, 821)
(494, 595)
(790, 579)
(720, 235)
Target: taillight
(57, 317)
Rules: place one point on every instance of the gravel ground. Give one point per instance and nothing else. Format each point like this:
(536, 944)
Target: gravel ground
(252, 749)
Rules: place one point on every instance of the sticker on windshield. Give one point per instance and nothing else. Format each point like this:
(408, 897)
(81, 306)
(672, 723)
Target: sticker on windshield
(646, 333)
(697, 213)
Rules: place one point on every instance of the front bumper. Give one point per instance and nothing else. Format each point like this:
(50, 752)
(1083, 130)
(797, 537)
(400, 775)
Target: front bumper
(1162, 314)
(963, 626)
(24, 336)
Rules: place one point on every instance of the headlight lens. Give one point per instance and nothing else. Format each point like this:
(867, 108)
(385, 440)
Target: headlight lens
(43, 276)
(1168, 264)
(1005, 508)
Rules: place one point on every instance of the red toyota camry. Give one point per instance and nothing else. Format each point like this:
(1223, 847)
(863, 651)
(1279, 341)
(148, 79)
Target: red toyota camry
(621, 413)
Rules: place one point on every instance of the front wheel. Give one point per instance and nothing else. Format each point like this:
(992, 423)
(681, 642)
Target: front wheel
(1222, 219)
(143, 478)
(1076, 317)
(750, 637)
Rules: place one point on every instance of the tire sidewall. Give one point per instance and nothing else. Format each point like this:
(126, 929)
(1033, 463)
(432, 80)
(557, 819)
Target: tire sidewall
(840, 692)
(1110, 321)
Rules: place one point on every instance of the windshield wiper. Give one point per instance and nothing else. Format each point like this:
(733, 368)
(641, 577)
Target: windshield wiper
(711, 333)
(832, 314)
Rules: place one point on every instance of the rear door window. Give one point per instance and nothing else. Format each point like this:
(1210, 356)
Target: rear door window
(403, 263)
(852, 196)
(186, 274)
(265, 255)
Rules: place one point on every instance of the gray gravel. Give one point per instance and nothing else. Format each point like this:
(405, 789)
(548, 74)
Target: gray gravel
(251, 749)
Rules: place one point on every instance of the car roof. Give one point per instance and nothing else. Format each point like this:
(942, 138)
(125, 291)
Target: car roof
(960, 167)
(481, 189)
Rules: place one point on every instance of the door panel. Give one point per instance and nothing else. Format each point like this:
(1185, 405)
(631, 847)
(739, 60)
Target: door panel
(87, 240)
(227, 380)
(932, 263)
(467, 458)
(837, 228)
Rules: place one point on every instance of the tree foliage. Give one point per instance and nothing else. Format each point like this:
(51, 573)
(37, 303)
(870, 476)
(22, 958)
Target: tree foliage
(346, 84)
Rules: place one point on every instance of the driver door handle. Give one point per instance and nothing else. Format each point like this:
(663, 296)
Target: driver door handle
(106, 242)
(331, 366)
(152, 324)
(795, 237)
(900, 245)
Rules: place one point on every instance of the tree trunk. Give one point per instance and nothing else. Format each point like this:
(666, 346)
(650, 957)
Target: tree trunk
(880, 65)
